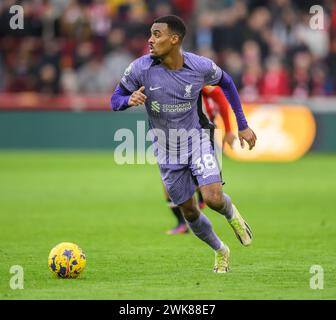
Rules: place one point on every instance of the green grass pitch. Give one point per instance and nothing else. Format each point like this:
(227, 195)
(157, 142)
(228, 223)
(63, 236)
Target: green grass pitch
(118, 216)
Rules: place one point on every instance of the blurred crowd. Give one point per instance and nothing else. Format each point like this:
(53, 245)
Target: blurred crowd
(84, 46)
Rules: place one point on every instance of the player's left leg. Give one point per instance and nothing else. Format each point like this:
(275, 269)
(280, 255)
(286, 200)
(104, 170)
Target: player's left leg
(205, 169)
(217, 200)
(202, 228)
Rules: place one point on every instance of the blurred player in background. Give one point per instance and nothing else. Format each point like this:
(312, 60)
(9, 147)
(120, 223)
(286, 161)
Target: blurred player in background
(169, 82)
(214, 103)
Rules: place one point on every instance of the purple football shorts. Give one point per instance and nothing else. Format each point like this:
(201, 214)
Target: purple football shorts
(181, 180)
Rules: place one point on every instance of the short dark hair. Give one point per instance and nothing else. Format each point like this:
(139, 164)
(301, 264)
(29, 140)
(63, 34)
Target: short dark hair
(175, 24)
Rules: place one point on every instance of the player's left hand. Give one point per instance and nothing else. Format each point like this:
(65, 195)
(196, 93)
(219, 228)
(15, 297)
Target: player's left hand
(229, 138)
(249, 136)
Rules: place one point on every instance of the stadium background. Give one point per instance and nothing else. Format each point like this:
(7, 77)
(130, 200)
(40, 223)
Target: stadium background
(58, 180)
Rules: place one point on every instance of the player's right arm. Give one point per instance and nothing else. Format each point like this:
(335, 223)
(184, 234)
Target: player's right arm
(130, 91)
(122, 99)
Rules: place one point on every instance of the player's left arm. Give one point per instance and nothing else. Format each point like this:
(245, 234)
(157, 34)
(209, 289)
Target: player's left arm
(231, 92)
(214, 75)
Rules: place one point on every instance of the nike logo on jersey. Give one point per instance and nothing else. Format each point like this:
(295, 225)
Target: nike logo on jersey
(207, 175)
(152, 89)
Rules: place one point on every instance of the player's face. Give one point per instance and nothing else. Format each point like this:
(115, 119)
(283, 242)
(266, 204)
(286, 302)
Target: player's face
(162, 40)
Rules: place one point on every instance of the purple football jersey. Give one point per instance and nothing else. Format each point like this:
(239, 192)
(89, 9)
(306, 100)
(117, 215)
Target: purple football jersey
(172, 95)
(173, 105)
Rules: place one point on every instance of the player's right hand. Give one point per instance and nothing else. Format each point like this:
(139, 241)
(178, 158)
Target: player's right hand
(137, 97)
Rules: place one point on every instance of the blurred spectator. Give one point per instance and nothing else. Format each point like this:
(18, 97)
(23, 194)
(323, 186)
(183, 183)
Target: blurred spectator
(75, 22)
(184, 8)
(82, 53)
(48, 79)
(250, 82)
(2, 72)
(333, 22)
(252, 71)
(234, 65)
(331, 63)
(275, 80)
(316, 40)
(21, 71)
(258, 22)
(69, 81)
(319, 81)
(99, 20)
(91, 77)
(301, 74)
(117, 58)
